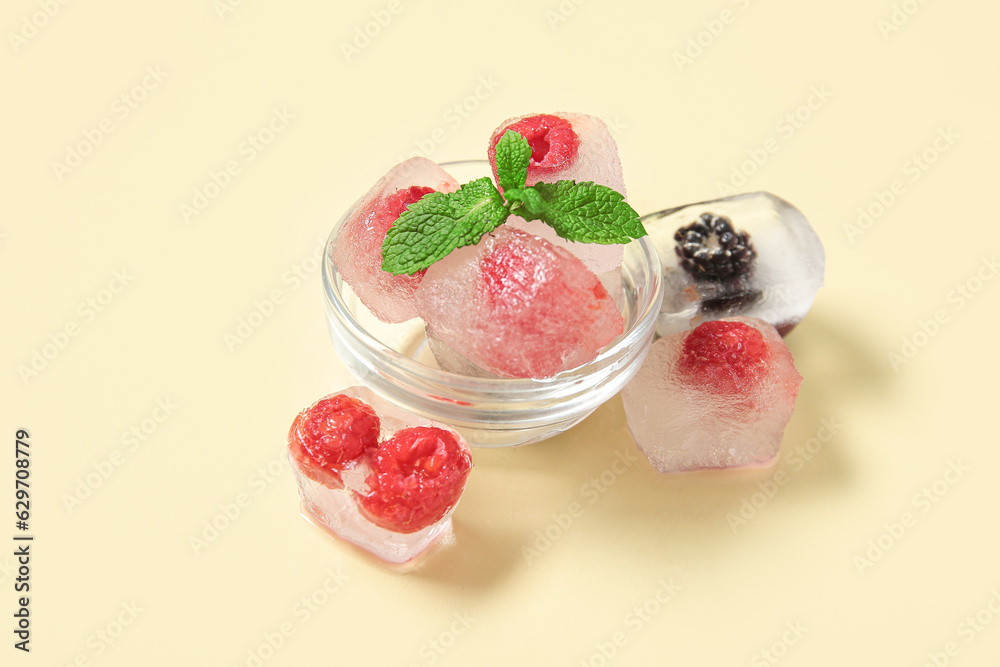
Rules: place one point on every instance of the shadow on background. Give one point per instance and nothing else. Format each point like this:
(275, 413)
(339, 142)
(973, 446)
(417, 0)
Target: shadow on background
(625, 501)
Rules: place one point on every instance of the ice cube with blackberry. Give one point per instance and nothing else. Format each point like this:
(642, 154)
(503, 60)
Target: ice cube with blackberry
(752, 255)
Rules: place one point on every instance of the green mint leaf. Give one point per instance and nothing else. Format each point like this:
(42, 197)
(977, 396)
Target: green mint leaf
(528, 203)
(513, 155)
(587, 213)
(440, 222)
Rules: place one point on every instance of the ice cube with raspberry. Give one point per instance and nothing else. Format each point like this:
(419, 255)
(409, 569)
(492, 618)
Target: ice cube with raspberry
(518, 306)
(571, 147)
(717, 396)
(357, 250)
(753, 255)
(378, 476)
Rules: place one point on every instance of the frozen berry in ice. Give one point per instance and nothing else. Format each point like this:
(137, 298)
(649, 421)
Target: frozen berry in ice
(718, 396)
(552, 139)
(330, 435)
(711, 249)
(417, 476)
(726, 356)
(518, 306)
(357, 250)
(750, 255)
(567, 146)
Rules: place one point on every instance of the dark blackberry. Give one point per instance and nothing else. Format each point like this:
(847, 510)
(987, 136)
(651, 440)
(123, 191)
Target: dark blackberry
(711, 249)
(731, 304)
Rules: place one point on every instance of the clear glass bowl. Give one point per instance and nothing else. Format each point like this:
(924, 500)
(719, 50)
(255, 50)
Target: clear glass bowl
(394, 360)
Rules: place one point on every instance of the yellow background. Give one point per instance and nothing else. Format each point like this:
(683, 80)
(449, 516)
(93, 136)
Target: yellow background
(825, 553)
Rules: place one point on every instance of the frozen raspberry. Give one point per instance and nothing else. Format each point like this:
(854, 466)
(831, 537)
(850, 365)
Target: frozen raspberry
(417, 476)
(332, 433)
(553, 143)
(393, 206)
(518, 306)
(357, 249)
(511, 277)
(728, 357)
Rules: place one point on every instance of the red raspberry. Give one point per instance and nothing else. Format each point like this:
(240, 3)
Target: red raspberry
(417, 476)
(553, 143)
(510, 276)
(728, 357)
(513, 278)
(387, 213)
(393, 206)
(333, 432)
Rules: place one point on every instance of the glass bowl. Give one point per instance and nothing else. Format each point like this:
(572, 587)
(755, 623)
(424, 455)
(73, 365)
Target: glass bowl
(394, 361)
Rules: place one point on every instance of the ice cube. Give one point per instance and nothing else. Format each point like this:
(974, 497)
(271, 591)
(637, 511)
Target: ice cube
(518, 306)
(570, 147)
(453, 361)
(353, 497)
(713, 397)
(776, 280)
(357, 249)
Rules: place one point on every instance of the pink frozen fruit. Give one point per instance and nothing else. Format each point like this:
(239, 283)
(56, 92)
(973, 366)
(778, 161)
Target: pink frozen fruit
(357, 249)
(333, 434)
(717, 396)
(568, 147)
(417, 477)
(518, 306)
(378, 476)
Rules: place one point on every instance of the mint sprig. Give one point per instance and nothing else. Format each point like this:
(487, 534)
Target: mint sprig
(439, 222)
(582, 212)
(513, 156)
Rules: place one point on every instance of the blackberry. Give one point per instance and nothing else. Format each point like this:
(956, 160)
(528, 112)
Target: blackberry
(711, 249)
(731, 304)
